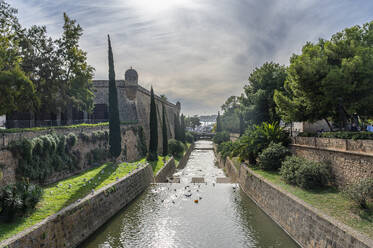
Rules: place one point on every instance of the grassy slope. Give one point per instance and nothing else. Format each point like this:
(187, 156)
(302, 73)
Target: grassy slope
(56, 197)
(330, 201)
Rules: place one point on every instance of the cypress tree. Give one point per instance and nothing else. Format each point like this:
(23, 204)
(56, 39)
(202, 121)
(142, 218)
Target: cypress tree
(114, 123)
(153, 143)
(164, 132)
(177, 127)
(182, 129)
(218, 123)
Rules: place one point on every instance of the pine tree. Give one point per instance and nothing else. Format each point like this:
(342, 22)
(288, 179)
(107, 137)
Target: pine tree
(164, 132)
(153, 144)
(218, 123)
(182, 129)
(114, 123)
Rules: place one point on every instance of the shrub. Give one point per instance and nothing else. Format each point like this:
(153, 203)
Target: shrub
(289, 168)
(221, 137)
(39, 157)
(360, 192)
(272, 157)
(175, 147)
(189, 137)
(225, 149)
(19, 198)
(311, 175)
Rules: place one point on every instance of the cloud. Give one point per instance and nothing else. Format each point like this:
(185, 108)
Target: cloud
(196, 52)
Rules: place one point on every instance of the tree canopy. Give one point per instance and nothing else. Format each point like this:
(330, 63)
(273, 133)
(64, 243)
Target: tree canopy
(330, 77)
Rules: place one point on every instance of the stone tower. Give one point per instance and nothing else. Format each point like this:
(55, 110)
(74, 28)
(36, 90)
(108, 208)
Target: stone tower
(131, 83)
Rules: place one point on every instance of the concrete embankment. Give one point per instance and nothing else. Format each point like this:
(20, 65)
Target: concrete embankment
(305, 224)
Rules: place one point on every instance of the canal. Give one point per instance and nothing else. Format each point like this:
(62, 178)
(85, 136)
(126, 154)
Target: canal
(166, 215)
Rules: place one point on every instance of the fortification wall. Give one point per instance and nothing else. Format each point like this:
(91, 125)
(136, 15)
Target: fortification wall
(130, 152)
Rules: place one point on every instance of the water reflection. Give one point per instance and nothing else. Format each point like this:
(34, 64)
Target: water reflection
(166, 215)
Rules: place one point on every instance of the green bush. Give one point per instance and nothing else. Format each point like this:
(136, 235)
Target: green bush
(225, 149)
(289, 168)
(272, 156)
(221, 137)
(175, 147)
(360, 192)
(305, 173)
(189, 137)
(18, 199)
(312, 175)
(39, 157)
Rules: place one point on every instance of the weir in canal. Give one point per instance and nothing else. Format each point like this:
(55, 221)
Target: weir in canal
(166, 215)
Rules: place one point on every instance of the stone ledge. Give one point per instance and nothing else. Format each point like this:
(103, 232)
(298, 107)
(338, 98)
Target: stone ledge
(334, 150)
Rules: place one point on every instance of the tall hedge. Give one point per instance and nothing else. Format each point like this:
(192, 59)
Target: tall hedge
(153, 144)
(164, 132)
(114, 122)
(182, 129)
(177, 127)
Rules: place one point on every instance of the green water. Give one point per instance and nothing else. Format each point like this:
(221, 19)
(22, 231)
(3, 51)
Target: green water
(166, 216)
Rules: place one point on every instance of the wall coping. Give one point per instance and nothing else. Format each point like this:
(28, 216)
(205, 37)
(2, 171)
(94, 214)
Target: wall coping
(334, 150)
(361, 237)
(72, 206)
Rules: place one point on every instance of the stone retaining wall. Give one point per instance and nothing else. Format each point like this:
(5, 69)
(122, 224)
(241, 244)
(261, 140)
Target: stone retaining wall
(8, 163)
(75, 223)
(184, 160)
(351, 160)
(358, 146)
(166, 171)
(305, 224)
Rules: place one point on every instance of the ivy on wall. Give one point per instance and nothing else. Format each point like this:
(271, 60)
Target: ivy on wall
(41, 156)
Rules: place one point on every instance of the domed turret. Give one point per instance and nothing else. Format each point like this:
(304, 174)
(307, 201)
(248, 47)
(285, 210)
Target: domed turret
(131, 76)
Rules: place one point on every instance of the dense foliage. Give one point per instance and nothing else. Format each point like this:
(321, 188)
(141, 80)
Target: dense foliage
(177, 127)
(225, 149)
(257, 103)
(305, 173)
(18, 199)
(360, 192)
(175, 147)
(182, 128)
(153, 143)
(189, 138)
(219, 128)
(221, 137)
(41, 156)
(39, 73)
(272, 156)
(115, 138)
(257, 138)
(331, 79)
(141, 142)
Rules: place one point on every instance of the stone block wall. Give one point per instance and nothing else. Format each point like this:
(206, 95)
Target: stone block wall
(351, 160)
(166, 171)
(305, 224)
(73, 224)
(8, 163)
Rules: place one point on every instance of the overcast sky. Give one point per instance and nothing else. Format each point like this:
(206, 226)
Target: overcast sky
(198, 52)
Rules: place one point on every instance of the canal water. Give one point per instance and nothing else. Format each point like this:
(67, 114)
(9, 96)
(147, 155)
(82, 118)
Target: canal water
(166, 215)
